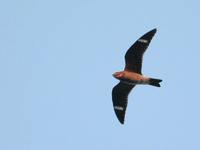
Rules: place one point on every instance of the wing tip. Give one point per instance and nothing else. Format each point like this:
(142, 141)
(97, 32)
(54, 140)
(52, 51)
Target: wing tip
(154, 30)
(121, 121)
(120, 117)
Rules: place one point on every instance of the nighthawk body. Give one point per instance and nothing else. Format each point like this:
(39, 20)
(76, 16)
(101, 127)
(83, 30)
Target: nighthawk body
(132, 76)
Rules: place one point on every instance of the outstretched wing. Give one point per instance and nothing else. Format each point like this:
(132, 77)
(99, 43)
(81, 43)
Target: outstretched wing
(120, 99)
(133, 57)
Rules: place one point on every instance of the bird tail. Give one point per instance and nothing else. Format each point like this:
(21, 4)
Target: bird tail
(154, 82)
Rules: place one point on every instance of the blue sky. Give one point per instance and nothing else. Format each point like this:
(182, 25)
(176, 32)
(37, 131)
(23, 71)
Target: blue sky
(57, 60)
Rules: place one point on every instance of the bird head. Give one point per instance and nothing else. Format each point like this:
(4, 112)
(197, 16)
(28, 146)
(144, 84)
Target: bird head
(118, 75)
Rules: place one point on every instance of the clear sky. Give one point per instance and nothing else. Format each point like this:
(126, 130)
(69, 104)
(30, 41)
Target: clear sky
(56, 63)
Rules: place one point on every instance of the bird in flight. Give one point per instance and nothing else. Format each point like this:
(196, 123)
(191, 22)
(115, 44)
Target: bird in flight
(132, 75)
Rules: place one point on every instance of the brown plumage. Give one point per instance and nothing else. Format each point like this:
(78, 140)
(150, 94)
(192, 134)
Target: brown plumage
(131, 75)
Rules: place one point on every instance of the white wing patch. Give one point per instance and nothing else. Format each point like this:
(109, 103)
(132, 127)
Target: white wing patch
(119, 108)
(143, 40)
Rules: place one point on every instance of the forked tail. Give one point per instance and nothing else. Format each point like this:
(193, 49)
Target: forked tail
(155, 82)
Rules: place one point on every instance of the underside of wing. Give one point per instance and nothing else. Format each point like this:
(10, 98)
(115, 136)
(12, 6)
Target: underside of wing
(133, 57)
(120, 99)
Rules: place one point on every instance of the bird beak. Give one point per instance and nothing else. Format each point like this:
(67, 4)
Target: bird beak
(113, 74)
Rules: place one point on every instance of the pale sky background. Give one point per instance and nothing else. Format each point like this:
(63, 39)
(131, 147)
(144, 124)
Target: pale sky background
(56, 63)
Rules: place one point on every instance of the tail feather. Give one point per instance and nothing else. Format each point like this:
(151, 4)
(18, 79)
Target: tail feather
(155, 82)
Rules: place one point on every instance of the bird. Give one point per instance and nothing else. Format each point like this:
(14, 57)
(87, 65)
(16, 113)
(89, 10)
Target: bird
(132, 75)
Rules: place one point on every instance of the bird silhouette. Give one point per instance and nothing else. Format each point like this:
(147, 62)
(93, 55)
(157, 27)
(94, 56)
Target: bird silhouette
(131, 75)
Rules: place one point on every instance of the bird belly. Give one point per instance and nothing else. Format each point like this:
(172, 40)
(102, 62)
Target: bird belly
(133, 82)
(128, 82)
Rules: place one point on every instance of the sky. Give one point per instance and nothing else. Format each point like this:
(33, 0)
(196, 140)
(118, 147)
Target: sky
(56, 64)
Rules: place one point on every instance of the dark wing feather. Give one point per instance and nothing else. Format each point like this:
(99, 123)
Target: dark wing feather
(133, 57)
(120, 99)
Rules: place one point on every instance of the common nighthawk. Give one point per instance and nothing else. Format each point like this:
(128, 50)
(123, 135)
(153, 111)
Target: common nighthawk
(131, 76)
